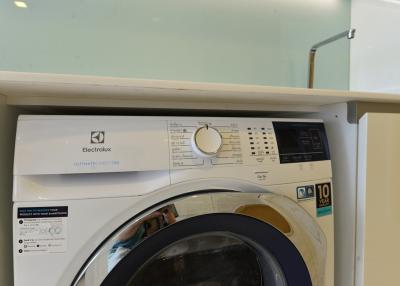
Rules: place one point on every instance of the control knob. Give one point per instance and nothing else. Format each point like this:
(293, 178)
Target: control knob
(206, 141)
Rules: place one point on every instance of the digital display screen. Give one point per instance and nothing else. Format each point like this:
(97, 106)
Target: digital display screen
(301, 141)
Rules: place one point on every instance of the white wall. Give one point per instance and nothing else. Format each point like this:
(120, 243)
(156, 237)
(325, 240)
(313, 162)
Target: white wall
(375, 52)
(231, 41)
(7, 134)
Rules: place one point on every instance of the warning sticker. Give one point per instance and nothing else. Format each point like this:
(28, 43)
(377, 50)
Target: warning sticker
(323, 199)
(42, 230)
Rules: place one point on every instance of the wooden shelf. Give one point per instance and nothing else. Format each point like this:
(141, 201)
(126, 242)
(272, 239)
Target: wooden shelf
(81, 90)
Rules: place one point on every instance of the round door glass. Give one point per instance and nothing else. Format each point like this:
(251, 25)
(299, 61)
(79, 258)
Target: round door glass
(209, 260)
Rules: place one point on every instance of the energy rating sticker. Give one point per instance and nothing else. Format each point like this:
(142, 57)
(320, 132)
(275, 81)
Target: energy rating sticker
(323, 199)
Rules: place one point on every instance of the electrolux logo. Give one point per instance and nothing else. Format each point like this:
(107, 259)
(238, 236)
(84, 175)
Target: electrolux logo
(96, 149)
(97, 137)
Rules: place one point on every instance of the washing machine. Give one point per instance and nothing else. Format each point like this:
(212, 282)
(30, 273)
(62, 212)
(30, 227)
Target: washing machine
(113, 200)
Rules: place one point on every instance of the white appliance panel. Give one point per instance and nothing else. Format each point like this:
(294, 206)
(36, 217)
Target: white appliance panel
(151, 160)
(378, 196)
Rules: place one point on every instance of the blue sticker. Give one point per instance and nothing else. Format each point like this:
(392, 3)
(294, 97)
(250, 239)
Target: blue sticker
(324, 211)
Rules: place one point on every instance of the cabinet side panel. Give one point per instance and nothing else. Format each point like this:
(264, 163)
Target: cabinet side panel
(7, 134)
(342, 138)
(378, 213)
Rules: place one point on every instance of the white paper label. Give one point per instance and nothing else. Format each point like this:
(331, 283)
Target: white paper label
(42, 230)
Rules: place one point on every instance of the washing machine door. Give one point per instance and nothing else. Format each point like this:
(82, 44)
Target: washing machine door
(210, 239)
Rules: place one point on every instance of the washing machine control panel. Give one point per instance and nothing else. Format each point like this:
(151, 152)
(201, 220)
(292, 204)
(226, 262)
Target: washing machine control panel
(221, 143)
(119, 144)
(202, 143)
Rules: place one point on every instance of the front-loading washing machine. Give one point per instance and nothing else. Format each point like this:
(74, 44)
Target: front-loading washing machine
(110, 200)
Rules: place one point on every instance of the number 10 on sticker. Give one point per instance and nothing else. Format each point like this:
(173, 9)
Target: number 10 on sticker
(324, 199)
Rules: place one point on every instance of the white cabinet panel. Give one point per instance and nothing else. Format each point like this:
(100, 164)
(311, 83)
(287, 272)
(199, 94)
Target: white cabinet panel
(378, 199)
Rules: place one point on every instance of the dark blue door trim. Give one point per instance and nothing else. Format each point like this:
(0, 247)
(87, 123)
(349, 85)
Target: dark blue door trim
(251, 229)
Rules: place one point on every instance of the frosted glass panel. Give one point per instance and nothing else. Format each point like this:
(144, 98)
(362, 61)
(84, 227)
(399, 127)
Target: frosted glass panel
(232, 41)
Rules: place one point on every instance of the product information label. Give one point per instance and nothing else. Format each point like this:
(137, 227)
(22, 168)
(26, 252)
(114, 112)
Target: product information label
(323, 199)
(305, 192)
(42, 230)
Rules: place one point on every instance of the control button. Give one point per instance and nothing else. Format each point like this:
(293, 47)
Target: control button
(206, 141)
